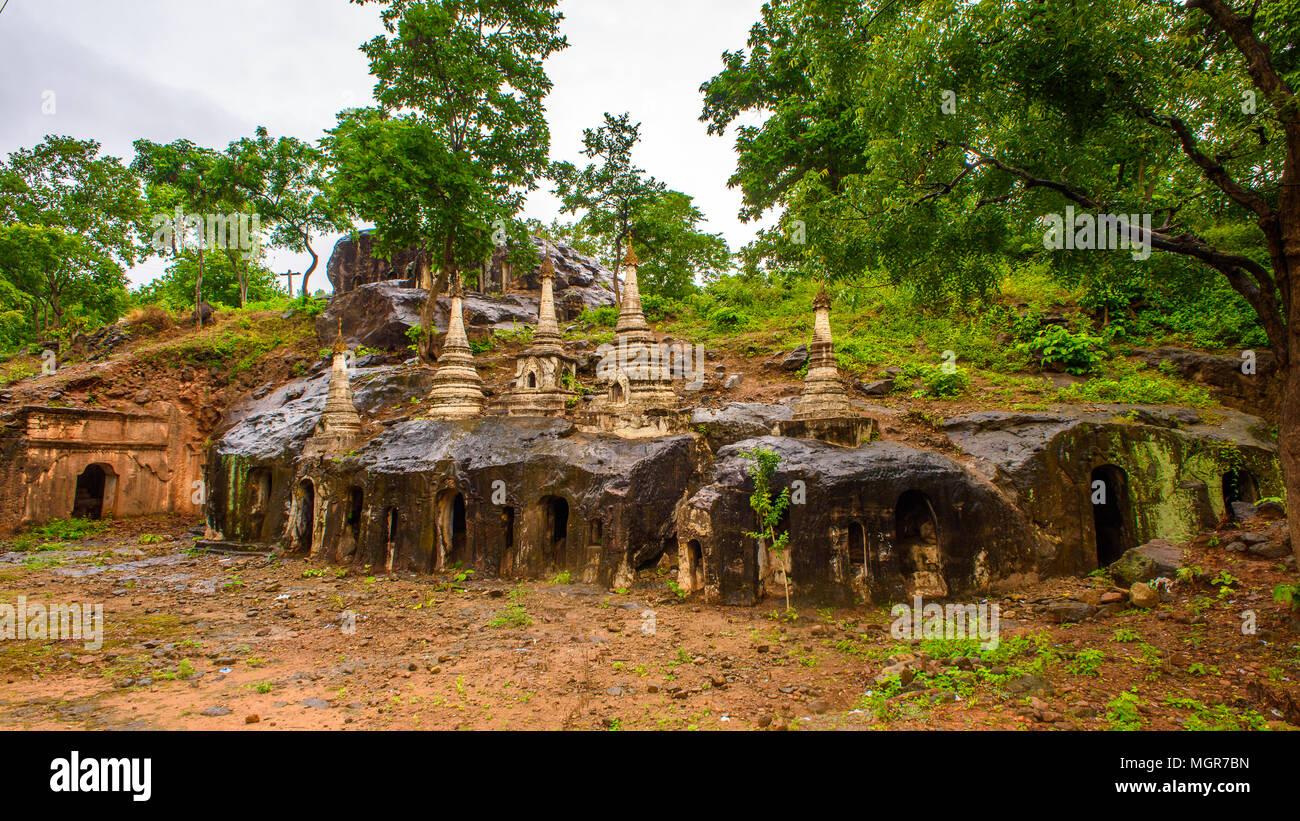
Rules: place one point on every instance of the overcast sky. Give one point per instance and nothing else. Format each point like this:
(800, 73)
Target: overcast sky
(213, 71)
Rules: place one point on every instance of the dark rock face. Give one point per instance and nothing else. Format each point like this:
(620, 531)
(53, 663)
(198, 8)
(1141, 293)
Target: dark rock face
(377, 315)
(1154, 472)
(353, 264)
(880, 521)
(796, 359)
(508, 496)
(202, 313)
(374, 316)
(580, 282)
(1259, 392)
(1021, 495)
(251, 473)
(737, 421)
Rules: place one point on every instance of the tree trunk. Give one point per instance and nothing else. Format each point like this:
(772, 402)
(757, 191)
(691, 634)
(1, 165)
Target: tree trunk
(1288, 440)
(428, 352)
(198, 291)
(618, 265)
(306, 275)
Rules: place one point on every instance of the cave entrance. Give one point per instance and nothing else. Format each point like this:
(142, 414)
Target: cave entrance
(556, 530)
(88, 498)
(391, 519)
(857, 547)
(1109, 496)
(259, 502)
(507, 562)
(356, 504)
(305, 536)
(454, 527)
(695, 564)
(916, 533)
(1238, 486)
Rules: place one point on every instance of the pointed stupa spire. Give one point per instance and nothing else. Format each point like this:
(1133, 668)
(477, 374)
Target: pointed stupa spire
(631, 319)
(339, 426)
(457, 391)
(822, 320)
(823, 393)
(340, 347)
(548, 330)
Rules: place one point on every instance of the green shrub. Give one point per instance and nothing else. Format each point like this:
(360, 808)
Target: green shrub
(938, 383)
(726, 317)
(606, 315)
(1057, 347)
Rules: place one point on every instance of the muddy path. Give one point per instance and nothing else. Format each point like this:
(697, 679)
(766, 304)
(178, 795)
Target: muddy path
(209, 641)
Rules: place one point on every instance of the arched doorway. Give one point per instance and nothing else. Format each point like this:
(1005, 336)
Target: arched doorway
(453, 527)
(857, 547)
(259, 502)
(695, 565)
(356, 505)
(1108, 491)
(1238, 486)
(88, 499)
(916, 534)
(305, 533)
(507, 561)
(391, 520)
(556, 531)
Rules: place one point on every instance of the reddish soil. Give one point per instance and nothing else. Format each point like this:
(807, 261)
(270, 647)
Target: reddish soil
(265, 636)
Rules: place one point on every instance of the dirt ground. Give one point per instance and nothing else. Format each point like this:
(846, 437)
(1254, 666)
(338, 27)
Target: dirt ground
(210, 641)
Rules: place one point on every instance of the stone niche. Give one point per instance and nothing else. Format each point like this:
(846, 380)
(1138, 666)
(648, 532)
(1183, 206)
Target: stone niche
(881, 522)
(96, 463)
(508, 496)
(1155, 473)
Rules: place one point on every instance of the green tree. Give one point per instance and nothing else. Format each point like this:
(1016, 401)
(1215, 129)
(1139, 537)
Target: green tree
(287, 182)
(182, 179)
(229, 281)
(64, 183)
(54, 271)
(666, 234)
(461, 86)
(972, 124)
(612, 193)
(70, 222)
(768, 509)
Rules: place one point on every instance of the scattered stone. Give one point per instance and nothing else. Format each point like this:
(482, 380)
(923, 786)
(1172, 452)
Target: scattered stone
(1069, 611)
(1144, 596)
(796, 359)
(252, 719)
(1091, 597)
(1268, 550)
(880, 387)
(1027, 684)
(1152, 560)
(216, 711)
